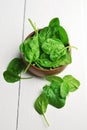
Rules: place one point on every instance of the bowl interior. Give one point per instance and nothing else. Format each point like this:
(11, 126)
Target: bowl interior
(40, 71)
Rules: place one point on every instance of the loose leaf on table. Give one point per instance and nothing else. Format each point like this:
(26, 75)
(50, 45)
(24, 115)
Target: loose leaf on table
(72, 82)
(54, 78)
(64, 89)
(14, 69)
(11, 77)
(16, 65)
(52, 93)
(41, 104)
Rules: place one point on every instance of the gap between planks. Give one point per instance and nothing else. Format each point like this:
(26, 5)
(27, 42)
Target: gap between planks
(19, 87)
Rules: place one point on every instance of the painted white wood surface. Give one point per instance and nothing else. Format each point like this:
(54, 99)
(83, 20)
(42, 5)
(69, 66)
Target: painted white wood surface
(72, 16)
(73, 115)
(11, 22)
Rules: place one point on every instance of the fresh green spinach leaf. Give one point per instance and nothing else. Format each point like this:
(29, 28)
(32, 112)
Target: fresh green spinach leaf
(64, 89)
(41, 104)
(54, 23)
(30, 48)
(11, 77)
(53, 28)
(42, 35)
(72, 82)
(52, 92)
(63, 35)
(16, 65)
(64, 60)
(54, 78)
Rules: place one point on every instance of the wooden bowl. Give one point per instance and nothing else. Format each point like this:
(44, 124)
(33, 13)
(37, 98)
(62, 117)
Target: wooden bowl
(41, 72)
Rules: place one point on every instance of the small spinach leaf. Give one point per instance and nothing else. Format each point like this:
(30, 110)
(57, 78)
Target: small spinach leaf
(72, 82)
(16, 65)
(11, 77)
(54, 78)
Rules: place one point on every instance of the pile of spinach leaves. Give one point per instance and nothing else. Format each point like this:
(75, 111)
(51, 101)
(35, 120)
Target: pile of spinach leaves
(55, 93)
(48, 47)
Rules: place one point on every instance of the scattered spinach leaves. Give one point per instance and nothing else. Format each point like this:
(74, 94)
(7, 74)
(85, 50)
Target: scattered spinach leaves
(56, 92)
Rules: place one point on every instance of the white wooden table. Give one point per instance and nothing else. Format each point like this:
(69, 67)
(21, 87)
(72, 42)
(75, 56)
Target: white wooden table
(16, 100)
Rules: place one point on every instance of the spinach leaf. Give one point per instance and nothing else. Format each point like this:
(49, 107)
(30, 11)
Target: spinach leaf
(54, 78)
(10, 76)
(52, 92)
(41, 104)
(54, 48)
(72, 82)
(16, 65)
(43, 34)
(53, 27)
(51, 44)
(30, 48)
(64, 89)
(57, 53)
(54, 23)
(63, 35)
(64, 60)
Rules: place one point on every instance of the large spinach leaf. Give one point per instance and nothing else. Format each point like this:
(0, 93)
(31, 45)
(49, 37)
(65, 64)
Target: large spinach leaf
(41, 104)
(11, 77)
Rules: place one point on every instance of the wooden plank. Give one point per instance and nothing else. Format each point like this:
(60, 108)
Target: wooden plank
(73, 115)
(11, 23)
